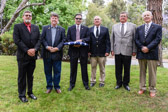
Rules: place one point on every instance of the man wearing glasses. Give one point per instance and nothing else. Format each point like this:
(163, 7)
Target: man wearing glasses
(78, 33)
(27, 38)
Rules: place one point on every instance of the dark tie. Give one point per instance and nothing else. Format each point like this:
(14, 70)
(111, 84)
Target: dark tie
(146, 30)
(122, 30)
(77, 33)
(97, 32)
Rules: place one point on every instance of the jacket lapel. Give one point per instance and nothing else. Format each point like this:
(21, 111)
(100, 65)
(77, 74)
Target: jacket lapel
(150, 29)
(49, 35)
(24, 26)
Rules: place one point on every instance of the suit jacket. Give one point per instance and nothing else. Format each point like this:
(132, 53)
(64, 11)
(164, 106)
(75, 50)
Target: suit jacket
(26, 40)
(101, 45)
(84, 36)
(151, 41)
(47, 41)
(123, 45)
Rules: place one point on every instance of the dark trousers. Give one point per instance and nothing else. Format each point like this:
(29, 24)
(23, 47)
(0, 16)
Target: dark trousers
(55, 66)
(25, 74)
(120, 62)
(74, 66)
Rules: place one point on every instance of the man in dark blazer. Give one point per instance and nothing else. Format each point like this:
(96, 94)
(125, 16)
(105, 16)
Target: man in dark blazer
(79, 33)
(148, 37)
(53, 37)
(27, 38)
(123, 46)
(100, 47)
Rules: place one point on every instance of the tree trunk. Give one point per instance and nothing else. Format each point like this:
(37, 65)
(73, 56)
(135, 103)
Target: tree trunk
(155, 6)
(22, 6)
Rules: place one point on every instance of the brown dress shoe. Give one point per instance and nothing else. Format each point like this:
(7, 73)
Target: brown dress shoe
(152, 94)
(48, 91)
(58, 91)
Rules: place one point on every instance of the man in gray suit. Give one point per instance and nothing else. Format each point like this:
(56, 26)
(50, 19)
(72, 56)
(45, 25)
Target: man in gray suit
(123, 47)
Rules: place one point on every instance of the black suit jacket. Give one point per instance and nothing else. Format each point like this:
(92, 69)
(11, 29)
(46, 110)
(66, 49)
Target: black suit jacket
(26, 40)
(84, 36)
(47, 41)
(101, 45)
(151, 41)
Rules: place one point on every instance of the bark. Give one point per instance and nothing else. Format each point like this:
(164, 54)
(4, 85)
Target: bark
(155, 6)
(22, 6)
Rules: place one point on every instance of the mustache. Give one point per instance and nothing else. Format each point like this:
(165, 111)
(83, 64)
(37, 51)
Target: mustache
(27, 21)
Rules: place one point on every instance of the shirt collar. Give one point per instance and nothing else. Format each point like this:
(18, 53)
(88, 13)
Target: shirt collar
(149, 23)
(53, 27)
(27, 24)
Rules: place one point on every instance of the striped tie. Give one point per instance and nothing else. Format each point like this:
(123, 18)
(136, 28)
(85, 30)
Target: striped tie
(146, 29)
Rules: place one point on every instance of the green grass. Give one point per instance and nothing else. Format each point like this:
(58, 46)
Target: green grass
(105, 99)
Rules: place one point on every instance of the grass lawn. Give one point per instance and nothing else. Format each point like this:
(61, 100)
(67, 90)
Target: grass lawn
(105, 99)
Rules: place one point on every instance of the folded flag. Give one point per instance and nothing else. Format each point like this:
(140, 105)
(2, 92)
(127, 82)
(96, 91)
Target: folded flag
(76, 43)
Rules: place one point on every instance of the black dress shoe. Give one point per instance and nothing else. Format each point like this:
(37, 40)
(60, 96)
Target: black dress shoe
(23, 99)
(127, 88)
(32, 96)
(70, 88)
(87, 88)
(117, 87)
(92, 84)
(101, 85)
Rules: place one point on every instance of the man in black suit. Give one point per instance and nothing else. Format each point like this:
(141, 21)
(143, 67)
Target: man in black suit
(27, 38)
(79, 33)
(100, 47)
(53, 40)
(148, 37)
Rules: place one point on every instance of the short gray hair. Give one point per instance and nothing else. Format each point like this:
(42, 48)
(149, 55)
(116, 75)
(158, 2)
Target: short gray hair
(54, 14)
(27, 12)
(98, 17)
(147, 12)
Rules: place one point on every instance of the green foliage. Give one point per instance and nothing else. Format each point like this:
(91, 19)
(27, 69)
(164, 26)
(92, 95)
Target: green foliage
(135, 13)
(105, 99)
(114, 9)
(96, 10)
(98, 2)
(7, 44)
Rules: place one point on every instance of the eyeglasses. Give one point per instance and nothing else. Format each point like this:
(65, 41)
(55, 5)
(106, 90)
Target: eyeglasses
(78, 18)
(28, 15)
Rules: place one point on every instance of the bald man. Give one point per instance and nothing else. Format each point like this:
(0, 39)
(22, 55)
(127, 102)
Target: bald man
(99, 50)
(148, 37)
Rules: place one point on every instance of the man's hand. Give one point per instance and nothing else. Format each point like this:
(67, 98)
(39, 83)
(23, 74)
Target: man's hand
(76, 45)
(145, 49)
(78, 41)
(112, 53)
(54, 49)
(133, 54)
(49, 48)
(106, 54)
(89, 54)
(31, 52)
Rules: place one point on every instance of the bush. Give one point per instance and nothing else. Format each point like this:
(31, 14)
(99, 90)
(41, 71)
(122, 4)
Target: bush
(7, 45)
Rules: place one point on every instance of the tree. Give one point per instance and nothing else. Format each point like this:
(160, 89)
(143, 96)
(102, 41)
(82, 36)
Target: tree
(114, 9)
(24, 4)
(155, 6)
(98, 2)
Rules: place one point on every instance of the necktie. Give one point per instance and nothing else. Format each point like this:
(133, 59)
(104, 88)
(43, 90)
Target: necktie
(28, 27)
(97, 32)
(122, 30)
(77, 33)
(146, 30)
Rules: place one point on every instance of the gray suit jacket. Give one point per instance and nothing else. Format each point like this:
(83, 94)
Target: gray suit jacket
(123, 45)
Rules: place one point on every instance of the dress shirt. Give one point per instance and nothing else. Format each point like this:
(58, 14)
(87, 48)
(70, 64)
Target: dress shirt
(95, 29)
(125, 27)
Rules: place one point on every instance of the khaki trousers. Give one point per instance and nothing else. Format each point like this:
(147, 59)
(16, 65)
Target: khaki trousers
(101, 61)
(152, 68)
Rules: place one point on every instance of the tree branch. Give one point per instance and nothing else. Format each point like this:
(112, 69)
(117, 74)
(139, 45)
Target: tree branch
(3, 2)
(16, 14)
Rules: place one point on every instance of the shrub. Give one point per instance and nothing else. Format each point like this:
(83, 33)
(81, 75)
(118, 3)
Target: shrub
(7, 45)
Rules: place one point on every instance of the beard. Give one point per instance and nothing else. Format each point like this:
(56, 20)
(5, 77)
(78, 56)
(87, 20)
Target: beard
(27, 21)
